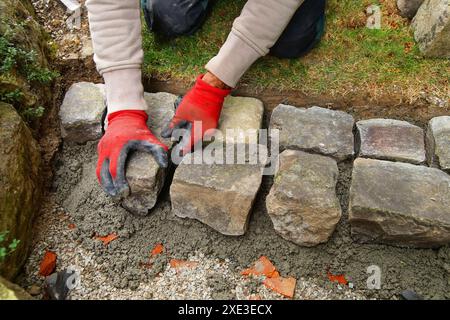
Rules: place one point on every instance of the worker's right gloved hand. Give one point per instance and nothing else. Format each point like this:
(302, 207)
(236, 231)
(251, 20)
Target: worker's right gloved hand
(127, 130)
(201, 106)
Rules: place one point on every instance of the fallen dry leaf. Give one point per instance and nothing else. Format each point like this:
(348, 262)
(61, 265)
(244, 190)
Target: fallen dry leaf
(48, 264)
(284, 286)
(107, 239)
(393, 24)
(71, 226)
(408, 46)
(159, 248)
(262, 267)
(337, 278)
(178, 264)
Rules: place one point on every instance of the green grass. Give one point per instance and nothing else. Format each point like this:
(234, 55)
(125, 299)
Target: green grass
(349, 57)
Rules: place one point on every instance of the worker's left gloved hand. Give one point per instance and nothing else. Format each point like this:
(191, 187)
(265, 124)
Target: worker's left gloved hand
(127, 130)
(202, 104)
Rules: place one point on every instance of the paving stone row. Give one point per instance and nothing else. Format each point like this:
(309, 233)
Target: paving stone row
(394, 197)
(218, 195)
(400, 201)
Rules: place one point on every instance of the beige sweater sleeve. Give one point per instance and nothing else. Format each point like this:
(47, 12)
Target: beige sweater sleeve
(116, 34)
(254, 32)
(117, 41)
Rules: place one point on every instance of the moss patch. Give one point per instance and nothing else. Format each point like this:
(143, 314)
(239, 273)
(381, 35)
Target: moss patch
(25, 75)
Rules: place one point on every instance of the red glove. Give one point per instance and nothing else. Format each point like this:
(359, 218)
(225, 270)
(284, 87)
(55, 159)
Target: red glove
(127, 130)
(203, 103)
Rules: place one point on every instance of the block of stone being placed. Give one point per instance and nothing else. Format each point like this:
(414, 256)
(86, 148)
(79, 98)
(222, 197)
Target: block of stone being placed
(302, 203)
(145, 177)
(438, 142)
(315, 129)
(399, 203)
(81, 112)
(221, 195)
(389, 139)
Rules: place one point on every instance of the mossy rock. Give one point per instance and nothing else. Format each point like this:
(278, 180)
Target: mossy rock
(20, 187)
(18, 22)
(19, 27)
(11, 291)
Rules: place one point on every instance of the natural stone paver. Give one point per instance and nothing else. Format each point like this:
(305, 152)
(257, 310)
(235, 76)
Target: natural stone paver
(438, 142)
(302, 202)
(20, 186)
(431, 27)
(81, 112)
(408, 8)
(399, 203)
(241, 113)
(221, 195)
(389, 139)
(160, 110)
(315, 129)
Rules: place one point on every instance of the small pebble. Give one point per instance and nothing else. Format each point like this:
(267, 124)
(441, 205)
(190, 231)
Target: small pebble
(34, 290)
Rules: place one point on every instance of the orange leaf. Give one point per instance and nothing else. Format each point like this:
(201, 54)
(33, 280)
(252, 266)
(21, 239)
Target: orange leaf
(159, 248)
(107, 239)
(337, 278)
(393, 24)
(284, 286)
(408, 46)
(48, 264)
(177, 264)
(262, 266)
(71, 226)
